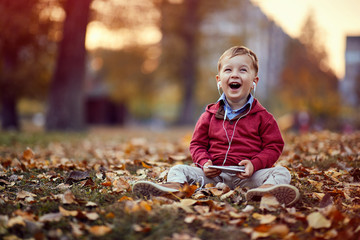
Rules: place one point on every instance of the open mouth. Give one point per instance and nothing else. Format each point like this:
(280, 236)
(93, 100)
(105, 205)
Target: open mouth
(234, 85)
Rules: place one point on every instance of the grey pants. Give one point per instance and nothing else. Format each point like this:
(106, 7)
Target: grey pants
(190, 174)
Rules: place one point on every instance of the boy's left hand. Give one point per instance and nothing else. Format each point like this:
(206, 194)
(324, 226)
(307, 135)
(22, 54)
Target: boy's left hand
(249, 169)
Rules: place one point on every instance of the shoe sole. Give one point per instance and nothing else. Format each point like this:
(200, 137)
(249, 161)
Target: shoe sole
(147, 189)
(284, 193)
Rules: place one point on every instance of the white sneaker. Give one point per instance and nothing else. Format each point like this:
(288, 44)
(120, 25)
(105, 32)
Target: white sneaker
(284, 193)
(148, 189)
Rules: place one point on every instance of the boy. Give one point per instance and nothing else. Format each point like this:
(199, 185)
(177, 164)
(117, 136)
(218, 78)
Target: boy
(236, 130)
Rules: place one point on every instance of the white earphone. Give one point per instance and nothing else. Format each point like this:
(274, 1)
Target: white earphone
(218, 85)
(254, 84)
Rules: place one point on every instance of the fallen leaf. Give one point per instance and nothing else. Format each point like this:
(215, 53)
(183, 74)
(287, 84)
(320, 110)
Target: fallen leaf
(18, 220)
(68, 197)
(121, 185)
(190, 218)
(77, 176)
(269, 202)
(51, 217)
(24, 194)
(91, 215)
(110, 215)
(248, 209)
(316, 220)
(91, 204)
(187, 202)
(99, 231)
(28, 154)
(125, 198)
(144, 228)
(146, 165)
(67, 213)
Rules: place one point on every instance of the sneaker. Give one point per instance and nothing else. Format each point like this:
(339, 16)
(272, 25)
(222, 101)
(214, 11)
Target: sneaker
(284, 193)
(148, 189)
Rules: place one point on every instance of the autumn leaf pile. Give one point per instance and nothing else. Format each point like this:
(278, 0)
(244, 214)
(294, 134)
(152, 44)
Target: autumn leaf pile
(81, 188)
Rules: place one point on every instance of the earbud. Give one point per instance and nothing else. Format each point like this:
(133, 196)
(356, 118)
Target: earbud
(218, 85)
(254, 84)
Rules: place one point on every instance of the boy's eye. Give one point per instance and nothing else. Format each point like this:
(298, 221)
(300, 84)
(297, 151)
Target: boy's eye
(243, 70)
(227, 70)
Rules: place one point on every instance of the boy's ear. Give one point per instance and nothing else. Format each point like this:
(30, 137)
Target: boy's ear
(256, 80)
(218, 81)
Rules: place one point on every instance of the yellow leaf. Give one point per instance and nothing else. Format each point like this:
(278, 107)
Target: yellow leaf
(67, 213)
(268, 218)
(145, 206)
(125, 198)
(316, 220)
(145, 165)
(318, 185)
(187, 202)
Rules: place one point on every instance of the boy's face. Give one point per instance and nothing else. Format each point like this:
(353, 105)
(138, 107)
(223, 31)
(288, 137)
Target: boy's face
(236, 77)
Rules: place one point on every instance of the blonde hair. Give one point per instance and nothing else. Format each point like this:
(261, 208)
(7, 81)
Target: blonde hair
(240, 50)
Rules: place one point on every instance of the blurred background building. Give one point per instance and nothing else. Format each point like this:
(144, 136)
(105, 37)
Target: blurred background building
(350, 85)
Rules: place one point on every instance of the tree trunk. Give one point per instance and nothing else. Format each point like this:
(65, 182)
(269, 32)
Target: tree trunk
(66, 100)
(10, 119)
(189, 62)
(8, 97)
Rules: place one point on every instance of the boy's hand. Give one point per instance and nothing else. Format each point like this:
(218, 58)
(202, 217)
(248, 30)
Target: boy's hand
(209, 172)
(249, 169)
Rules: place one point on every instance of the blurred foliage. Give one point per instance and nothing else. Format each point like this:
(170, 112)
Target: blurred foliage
(28, 30)
(167, 79)
(307, 84)
(129, 77)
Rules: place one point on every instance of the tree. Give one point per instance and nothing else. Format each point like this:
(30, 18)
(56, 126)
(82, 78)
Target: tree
(306, 84)
(25, 55)
(180, 26)
(66, 97)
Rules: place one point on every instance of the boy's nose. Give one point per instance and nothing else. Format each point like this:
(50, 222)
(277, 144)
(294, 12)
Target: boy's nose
(235, 74)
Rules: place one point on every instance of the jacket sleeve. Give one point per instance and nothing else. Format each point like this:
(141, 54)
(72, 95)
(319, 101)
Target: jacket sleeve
(272, 145)
(199, 144)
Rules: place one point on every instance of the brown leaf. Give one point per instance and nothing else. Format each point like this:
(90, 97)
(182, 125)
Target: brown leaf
(28, 154)
(326, 200)
(144, 228)
(121, 185)
(77, 176)
(68, 197)
(187, 190)
(88, 182)
(24, 194)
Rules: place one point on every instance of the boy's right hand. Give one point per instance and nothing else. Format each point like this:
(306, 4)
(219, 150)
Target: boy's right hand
(210, 172)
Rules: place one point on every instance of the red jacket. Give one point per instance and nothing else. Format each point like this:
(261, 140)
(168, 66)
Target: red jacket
(257, 137)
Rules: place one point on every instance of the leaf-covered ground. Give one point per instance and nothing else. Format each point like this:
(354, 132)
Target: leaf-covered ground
(64, 186)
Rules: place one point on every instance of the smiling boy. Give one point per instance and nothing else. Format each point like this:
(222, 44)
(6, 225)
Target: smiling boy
(236, 130)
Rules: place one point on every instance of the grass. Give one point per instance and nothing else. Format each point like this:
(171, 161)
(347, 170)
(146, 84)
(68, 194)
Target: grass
(112, 150)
